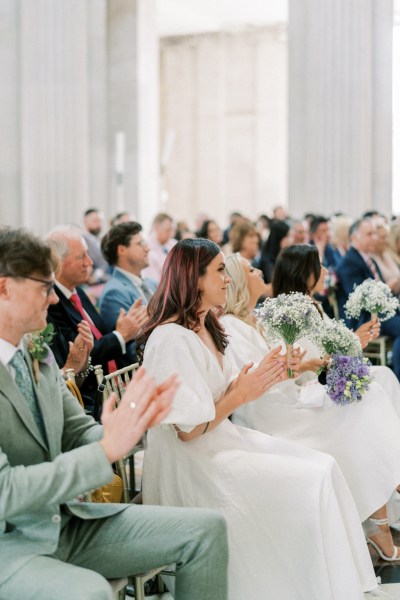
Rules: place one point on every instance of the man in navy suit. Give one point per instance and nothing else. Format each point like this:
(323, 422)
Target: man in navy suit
(356, 266)
(125, 248)
(110, 343)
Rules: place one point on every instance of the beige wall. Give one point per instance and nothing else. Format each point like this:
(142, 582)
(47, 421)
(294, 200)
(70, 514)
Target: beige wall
(224, 105)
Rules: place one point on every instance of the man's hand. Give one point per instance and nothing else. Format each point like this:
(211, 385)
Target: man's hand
(80, 349)
(130, 323)
(143, 405)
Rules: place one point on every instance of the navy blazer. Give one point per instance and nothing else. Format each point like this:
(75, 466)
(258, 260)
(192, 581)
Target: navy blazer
(66, 318)
(352, 270)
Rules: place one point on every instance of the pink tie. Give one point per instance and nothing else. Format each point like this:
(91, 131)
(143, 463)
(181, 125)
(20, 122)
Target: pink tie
(77, 304)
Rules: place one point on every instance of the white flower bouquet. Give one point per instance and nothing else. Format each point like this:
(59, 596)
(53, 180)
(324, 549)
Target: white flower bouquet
(374, 297)
(288, 318)
(333, 337)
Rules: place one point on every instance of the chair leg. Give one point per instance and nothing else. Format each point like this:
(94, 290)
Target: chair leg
(122, 473)
(160, 584)
(139, 588)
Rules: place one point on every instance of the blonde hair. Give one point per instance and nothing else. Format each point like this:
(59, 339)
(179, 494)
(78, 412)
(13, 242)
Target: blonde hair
(238, 297)
(394, 237)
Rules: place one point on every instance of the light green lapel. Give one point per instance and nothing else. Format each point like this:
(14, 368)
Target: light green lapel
(10, 390)
(47, 392)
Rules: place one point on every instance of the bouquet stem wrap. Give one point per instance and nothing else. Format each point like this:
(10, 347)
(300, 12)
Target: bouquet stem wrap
(289, 354)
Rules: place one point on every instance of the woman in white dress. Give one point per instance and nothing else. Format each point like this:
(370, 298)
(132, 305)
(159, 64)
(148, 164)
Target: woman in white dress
(293, 528)
(363, 437)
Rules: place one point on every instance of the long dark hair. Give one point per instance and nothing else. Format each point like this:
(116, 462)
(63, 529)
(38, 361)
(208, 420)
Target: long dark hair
(293, 269)
(178, 295)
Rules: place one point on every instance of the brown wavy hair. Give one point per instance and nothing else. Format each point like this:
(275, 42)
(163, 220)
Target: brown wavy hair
(178, 299)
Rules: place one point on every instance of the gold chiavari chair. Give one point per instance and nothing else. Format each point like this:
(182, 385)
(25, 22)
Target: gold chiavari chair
(116, 382)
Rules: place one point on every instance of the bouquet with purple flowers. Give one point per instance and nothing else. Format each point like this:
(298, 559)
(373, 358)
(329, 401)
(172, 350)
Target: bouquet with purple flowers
(348, 378)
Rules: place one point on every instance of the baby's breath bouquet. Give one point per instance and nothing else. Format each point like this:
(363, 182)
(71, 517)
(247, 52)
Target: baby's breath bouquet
(333, 337)
(374, 297)
(288, 317)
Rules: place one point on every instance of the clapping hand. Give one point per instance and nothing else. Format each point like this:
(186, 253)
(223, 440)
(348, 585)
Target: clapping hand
(143, 405)
(80, 349)
(130, 323)
(271, 370)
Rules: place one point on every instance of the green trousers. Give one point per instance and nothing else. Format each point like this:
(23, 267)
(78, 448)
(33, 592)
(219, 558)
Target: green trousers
(135, 540)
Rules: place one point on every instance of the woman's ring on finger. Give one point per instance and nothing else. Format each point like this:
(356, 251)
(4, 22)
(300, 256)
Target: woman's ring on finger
(132, 405)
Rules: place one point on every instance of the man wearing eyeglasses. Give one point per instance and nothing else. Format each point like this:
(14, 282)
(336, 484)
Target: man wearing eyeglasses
(50, 451)
(125, 248)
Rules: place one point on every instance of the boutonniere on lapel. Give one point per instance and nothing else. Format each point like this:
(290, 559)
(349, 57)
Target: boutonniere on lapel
(37, 344)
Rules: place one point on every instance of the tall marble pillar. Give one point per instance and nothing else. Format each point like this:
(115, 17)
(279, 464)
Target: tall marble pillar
(340, 106)
(134, 97)
(74, 73)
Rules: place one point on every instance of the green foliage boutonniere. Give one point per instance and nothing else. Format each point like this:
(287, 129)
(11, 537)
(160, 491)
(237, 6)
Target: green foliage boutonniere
(38, 348)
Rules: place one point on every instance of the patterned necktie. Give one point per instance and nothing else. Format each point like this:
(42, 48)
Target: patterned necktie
(25, 385)
(77, 304)
(146, 292)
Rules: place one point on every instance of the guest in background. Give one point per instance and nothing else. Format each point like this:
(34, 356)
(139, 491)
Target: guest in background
(263, 224)
(279, 213)
(161, 241)
(300, 231)
(183, 231)
(210, 230)
(234, 219)
(121, 217)
(340, 228)
(127, 251)
(394, 242)
(93, 221)
(109, 348)
(280, 237)
(320, 236)
(355, 267)
(387, 266)
(245, 239)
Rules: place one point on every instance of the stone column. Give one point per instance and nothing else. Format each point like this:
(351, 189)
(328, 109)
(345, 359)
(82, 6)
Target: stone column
(10, 205)
(340, 106)
(133, 93)
(54, 157)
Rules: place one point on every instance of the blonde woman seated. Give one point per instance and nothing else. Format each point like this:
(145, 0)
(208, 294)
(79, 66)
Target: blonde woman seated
(363, 437)
(284, 504)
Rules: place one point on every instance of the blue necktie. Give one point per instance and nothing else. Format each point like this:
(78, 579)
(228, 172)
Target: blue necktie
(24, 382)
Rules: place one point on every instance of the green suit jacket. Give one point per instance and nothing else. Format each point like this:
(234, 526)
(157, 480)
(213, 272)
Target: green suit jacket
(38, 476)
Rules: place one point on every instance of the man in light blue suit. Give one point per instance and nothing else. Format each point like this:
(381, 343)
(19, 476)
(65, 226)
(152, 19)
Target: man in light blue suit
(52, 547)
(127, 251)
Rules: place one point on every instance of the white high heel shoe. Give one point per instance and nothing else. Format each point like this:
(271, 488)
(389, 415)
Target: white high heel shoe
(395, 555)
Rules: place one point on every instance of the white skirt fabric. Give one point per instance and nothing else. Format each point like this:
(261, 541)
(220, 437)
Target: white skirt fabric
(363, 437)
(293, 528)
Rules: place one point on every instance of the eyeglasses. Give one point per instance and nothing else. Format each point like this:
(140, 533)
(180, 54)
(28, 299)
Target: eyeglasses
(50, 284)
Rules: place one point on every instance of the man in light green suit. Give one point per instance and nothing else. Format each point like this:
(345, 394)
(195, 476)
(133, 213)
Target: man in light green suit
(52, 548)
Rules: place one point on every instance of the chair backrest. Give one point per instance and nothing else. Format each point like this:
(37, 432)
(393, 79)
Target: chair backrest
(72, 386)
(114, 382)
